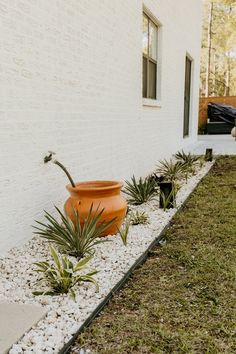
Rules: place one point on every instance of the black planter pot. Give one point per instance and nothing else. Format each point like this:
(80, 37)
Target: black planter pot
(167, 195)
(209, 155)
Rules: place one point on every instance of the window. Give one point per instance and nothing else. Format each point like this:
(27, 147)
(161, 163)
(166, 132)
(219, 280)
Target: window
(187, 94)
(149, 58)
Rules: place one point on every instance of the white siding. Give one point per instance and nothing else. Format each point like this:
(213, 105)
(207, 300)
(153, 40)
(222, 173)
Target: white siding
(71, 81)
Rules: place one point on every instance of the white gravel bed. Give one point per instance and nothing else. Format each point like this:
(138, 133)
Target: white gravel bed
(112, 260)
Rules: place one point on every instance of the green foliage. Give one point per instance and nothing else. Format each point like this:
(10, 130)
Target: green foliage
(138, 217)
(61, 275)
(185, 158)
(155, 178)
(140, 191)
(188, 161)
(169, 201)
(72, 238)
(171, 170)
(124, 231)
(209, 155)
(182, 299)
(201, 161)
(218, 59)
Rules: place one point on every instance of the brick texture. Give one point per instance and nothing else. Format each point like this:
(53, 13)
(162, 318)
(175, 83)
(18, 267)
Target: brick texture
(71, 81)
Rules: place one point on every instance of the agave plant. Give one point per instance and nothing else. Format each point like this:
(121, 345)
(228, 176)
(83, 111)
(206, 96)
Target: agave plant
(157, 179)
(137, 218)
(188, 161)
(140, 191)
(186, 158)
(171, 170)
(201, 161)
(124, 231)
(72, 238)
(61, 275)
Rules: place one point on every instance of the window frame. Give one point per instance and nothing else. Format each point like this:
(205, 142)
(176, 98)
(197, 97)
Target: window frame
(148, 101)
(191, 60)
(150, 59)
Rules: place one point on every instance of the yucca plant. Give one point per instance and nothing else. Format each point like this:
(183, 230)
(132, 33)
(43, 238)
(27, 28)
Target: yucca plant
(171, 170)
(61, 275)
(185, 158)
(201, 161)
(140, 191)
(156, 178)
(138, 217)
(72, 238)
(124, 231)
(188, 160)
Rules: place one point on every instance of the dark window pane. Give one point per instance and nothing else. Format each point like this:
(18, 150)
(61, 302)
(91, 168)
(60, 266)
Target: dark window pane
(152, 79)
(144, 77)
(150, 36)
(187, 93)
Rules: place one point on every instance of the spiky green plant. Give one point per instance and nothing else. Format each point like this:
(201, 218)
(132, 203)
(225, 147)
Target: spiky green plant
(138, 217)
(61, 275)
(186, 158)
(155, 178)
(124, 231)
(171, 170)
(188, 161)
(72, 238)
(168, 201)
(201, 161)
(140, 191)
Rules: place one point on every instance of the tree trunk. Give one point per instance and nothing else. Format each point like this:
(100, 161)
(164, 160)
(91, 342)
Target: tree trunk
(209, 40)
(227, 78)
(213, 91)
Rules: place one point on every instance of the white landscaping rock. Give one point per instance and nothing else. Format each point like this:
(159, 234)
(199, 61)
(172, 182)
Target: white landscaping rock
(112, 260)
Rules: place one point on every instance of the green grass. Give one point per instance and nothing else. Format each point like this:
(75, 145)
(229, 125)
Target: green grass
(182, 300)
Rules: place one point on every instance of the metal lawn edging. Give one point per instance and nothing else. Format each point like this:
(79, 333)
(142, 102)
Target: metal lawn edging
(127, 275)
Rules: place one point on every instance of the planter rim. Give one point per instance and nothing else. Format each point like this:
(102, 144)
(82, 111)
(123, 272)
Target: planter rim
(98, 185)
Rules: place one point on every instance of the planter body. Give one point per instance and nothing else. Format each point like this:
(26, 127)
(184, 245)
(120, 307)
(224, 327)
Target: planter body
(102, 194)
(166, 191)
(209, 154)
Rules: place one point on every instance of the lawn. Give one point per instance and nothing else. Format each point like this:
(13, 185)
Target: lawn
(182, 300)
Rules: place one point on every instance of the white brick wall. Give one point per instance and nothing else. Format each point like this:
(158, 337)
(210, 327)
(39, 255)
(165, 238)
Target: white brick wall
(71, 81)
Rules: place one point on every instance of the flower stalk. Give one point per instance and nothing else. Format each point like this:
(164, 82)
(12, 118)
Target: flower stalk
(48, 158)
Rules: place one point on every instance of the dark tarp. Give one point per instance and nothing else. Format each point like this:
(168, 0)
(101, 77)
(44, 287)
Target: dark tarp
(221, 112)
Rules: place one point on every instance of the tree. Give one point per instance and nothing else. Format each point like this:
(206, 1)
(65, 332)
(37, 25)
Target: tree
(218, 55)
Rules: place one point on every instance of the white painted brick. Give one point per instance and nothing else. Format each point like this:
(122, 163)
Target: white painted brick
(71, 81)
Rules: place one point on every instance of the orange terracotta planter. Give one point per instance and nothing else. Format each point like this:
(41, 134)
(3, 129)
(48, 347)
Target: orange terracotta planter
(102, 194)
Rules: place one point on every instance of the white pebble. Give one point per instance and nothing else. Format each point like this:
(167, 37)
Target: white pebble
(112, 259)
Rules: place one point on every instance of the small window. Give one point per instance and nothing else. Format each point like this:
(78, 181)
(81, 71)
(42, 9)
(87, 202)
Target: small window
(149, 58)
